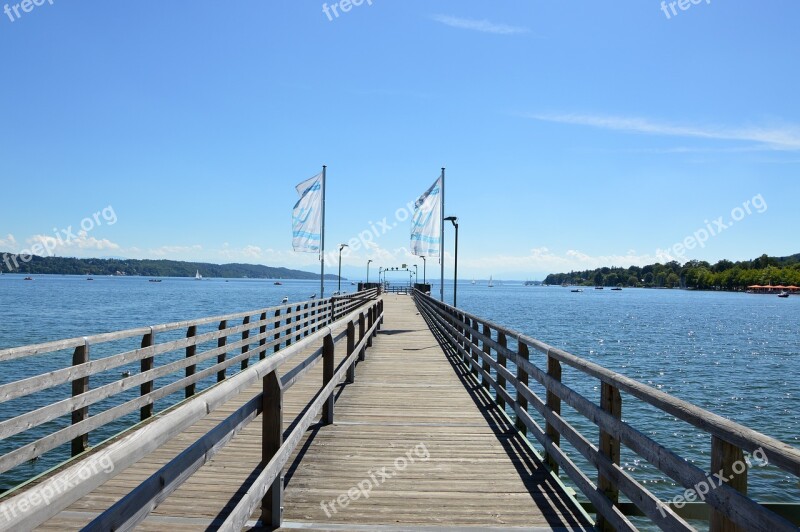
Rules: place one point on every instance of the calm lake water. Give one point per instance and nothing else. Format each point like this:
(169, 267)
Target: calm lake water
(737, 355)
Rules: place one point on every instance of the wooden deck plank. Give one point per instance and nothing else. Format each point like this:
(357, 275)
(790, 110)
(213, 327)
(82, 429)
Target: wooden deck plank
(465, 465)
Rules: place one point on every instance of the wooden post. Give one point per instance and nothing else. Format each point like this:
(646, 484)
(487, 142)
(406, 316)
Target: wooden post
(473, 324)
(487, 350)
(80, 386)
(262, 331)
(374, 309)
(221, 343)
(351, 344)
(554, 405)
(522, 377)
(246, 347)
(501, 360)
(191, 351)
(611, 402)
(729, 459)
(370, 323)
(277, 335)
(298, 319)
(361, 331)
(271, 441)
(305, 320)
(327, 376)
(288, 334)
(146, 365)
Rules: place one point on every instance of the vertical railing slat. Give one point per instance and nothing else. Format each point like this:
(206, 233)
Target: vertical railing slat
(80, 386)
(146, 412)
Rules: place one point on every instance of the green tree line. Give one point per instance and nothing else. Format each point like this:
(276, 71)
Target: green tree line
(724, 275)
(10, 263)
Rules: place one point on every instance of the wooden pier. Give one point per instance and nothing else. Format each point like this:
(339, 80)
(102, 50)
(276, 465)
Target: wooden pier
(365, 412)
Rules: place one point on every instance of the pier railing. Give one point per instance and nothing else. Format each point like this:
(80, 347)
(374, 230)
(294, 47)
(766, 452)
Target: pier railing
(104, 372)
(484, 346)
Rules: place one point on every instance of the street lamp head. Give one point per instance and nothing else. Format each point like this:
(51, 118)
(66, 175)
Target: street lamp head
(453, 219)
(370, 260)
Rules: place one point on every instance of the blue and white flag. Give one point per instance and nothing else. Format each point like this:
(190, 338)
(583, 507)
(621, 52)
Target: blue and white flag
(307, 216)
(426, 224)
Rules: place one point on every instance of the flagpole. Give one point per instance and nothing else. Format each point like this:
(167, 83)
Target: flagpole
(441, 240)
(322, 240)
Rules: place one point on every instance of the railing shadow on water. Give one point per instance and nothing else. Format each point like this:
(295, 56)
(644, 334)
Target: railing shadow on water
(725, 505)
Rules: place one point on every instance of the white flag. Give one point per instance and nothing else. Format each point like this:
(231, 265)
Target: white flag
(426, 224)
(307, 216)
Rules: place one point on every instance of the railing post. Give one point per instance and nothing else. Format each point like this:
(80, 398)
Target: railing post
(298, 319)
(522, 377)
(501, 361)
(271, 441)
(374, 309)
(246, 347)
(554, 406)
(331, 312)
(473, 324)
(80, 386)
(327, 376)
(361, 331)
(370, 323)
(147, 387)
(488, 351)
(611, 402)
(262, 332)
(725, 457)
(306, 324)
(288, 334)
(277, 335)
(191, 351)
(221, 357)
(351, 345)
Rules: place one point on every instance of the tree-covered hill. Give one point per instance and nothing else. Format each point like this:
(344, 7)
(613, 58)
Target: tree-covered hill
(724, 275)
(148, 268)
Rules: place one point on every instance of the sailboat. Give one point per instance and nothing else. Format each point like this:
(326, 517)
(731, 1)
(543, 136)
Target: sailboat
(197, 276)
(473, 280)
(491, 283)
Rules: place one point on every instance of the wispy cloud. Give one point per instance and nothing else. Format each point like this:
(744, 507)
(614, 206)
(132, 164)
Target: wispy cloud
(81, 242)
(9, 243)
(484, 26)
(784, 137)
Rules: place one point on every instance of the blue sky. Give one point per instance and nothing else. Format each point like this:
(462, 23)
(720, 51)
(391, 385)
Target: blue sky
(603, 133)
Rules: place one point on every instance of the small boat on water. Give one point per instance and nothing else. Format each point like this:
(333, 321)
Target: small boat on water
(277, 283)
(491, 283)
(154, 281)
(576, 290)
(197, 276)
(784, 294)
(89, 279)
(28, 279)
(598, 288)
(617, 289)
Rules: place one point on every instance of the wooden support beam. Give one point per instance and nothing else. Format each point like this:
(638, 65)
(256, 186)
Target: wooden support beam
(80, 386)
(554, 405)
(221, 357)
(271, 441)
(611, 402)
(191, 351)
(327, 375)
(501, 360)
(351, 344)
(146, 364)
(246, 347)
(729, 459)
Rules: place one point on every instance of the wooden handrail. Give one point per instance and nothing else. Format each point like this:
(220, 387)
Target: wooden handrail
(472, 338)
(137, 505)
(250, 336)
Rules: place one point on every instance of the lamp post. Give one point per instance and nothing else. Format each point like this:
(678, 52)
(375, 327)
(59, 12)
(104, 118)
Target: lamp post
(416, 274)
(341, 247)
(454, 221)
(370, 260)
(424, 276)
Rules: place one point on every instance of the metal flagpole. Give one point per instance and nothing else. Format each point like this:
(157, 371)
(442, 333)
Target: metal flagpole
(322, 241)
(441, 240)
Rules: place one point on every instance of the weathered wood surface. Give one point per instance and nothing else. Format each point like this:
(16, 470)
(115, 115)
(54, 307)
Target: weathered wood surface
(408, 395)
